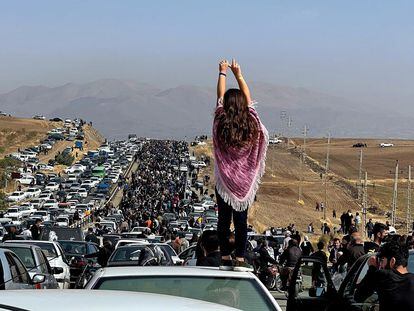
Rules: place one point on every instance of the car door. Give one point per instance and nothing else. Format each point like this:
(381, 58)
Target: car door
(20, 278)
(310, 286)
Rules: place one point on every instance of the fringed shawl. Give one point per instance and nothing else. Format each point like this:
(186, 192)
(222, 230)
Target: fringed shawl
(238, 170)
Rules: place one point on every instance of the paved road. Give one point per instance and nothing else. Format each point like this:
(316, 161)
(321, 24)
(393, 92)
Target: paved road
(280, 298)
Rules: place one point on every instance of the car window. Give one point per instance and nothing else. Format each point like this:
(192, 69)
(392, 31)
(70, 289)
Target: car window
(25, 255)
(18, 271)
(42, 262)
(241, 293)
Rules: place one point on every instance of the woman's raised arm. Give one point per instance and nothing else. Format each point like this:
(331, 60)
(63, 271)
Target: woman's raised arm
(221, 84)
(235, 67)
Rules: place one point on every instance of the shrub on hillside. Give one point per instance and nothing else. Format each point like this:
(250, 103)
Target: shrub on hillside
(64, 159)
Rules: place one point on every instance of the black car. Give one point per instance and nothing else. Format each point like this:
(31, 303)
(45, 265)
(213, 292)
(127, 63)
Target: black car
(75, 252)
(312, 287)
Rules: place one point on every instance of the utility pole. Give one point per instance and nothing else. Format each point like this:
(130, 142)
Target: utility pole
(326, 176)
(360, 176)
(409, 200)
(302, 160)
(365, 202)
(395, 197)
(289, 124)
(282, 121)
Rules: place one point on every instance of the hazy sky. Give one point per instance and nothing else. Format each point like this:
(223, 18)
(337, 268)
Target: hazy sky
(358, 49)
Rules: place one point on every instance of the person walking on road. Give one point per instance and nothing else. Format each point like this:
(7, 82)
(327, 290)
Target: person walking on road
(240, 143)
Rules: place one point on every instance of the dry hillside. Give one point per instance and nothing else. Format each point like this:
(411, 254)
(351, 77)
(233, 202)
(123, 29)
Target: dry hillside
(19, 133)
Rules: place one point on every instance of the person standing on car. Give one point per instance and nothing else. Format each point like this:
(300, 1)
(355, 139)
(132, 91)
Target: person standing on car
(388, 276)
(240, 143)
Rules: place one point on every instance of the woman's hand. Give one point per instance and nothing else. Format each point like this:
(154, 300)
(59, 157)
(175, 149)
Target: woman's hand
(235, 68)
(223, 65)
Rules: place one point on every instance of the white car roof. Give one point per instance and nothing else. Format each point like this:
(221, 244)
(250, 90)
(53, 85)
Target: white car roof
(171, 271)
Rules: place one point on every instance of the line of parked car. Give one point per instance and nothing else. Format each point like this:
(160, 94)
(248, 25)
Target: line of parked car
(61, 202)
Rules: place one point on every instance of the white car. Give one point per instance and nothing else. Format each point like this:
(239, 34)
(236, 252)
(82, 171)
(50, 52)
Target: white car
(27, 209)
(62, 221)
(14, 212)
(33, 192)
(77, 299)
(197, 208)
(275, 141)
(43, 215)
(74, 168)
(44, 196)
(385, 145)
(44, 167)
(26, 179)
(52, 186)
(16, 196)
(240, 290)
(36, 203)
(82, 192)
(72, 177)
(50, 204)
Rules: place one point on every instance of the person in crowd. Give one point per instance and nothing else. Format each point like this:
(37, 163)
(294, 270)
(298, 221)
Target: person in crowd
(103, 254)
(318, 275)
(240, 142)
(288, 260)
(357, 221)
(209, 243)
(369, 229)
(354, 250)
(306, 246)
(91, 237)
(264, 260)
(335, 251)
(286, 239)
(11, 233)
(36, 230)
(389, 277)
(380, 232)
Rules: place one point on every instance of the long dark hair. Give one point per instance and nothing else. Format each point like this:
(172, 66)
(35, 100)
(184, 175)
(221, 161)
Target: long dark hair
(236, 127)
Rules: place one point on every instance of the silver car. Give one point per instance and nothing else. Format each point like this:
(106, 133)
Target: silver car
(35, 262)
(14, 275)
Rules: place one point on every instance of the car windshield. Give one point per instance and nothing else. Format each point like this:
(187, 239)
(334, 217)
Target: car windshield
(127, 253)
(25, 255)
(47, 248)
(239, 293)
(70, 247)
(12, 210)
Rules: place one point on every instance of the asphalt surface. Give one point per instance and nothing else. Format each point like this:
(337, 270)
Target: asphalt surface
(280, 298)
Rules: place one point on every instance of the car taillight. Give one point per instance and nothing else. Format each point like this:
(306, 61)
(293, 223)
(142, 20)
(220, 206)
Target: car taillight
(38, 286)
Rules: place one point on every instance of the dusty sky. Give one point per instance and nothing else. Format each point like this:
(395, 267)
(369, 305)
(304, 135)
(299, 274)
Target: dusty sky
(363, 50)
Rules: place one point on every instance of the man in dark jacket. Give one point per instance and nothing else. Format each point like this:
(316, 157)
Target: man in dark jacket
(388, 276)
(210, 244)
(36, 230)
(289, 258)
(11, 233)
(264, 260)
(91, 237)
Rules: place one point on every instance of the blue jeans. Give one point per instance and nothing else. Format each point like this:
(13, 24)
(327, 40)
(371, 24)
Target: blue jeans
(225, 214)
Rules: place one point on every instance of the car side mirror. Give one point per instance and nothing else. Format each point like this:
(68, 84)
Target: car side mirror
(57, 270)
(38, 278)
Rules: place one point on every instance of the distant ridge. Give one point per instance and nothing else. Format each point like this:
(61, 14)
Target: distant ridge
(118, 107)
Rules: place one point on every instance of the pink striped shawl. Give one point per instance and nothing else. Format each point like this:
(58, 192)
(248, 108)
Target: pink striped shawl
(238, 170)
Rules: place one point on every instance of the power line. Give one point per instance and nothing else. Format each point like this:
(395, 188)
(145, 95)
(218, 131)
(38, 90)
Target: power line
(409, 200)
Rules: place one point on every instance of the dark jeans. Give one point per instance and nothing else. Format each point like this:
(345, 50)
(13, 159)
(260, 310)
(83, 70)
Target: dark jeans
(225, 213)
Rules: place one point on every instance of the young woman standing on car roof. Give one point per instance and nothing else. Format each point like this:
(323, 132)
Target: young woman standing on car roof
(240, 142)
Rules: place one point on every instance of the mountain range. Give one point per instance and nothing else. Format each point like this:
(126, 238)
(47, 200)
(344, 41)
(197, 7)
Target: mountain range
(119, 107)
